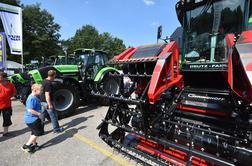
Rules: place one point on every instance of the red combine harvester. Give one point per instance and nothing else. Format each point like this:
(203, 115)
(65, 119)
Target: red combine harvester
(196, 110)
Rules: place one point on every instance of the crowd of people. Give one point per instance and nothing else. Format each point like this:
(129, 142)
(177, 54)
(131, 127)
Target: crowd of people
(38, 104)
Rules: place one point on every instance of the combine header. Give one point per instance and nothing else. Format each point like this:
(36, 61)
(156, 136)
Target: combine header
(190, 111)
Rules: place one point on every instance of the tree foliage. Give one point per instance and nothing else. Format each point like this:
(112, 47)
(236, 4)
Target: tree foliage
(11, 2)
(41, 33)
(112, 45)
(86, 37)
(89, 37)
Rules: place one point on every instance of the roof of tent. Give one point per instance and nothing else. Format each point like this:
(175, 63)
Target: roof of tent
(12, 65)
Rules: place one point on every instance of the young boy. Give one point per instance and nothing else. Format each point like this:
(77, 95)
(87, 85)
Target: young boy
(32, 118)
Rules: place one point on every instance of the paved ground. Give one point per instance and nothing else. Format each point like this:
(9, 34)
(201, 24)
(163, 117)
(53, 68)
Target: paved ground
(79, 145)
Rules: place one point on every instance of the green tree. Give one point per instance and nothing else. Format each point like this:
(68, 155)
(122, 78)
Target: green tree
(85, 37)
(40, 34)
(110, 44)
(11, 2)
(89, 37)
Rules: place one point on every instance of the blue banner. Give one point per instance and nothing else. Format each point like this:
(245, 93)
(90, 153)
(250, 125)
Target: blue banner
(2, 50)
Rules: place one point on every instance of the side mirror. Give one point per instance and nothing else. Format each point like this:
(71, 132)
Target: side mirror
(159, 32)
(80, 63)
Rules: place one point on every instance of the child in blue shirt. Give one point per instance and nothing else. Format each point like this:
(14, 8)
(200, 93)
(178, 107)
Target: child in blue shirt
(32, 118)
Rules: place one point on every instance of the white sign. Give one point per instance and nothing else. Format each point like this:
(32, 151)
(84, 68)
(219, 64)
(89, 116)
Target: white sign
(11, 17)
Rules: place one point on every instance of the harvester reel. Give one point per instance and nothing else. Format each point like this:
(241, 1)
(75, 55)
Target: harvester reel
(117, 114)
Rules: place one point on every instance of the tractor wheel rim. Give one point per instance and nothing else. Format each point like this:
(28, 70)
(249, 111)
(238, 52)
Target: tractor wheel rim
(63, 99)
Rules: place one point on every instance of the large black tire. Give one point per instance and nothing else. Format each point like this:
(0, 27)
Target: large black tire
(23, 91)
(109, 85)
(65, 99)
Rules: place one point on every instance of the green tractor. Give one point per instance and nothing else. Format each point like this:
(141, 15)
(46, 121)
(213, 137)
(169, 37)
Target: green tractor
(73, 83)
(59, 60)
(50, 61)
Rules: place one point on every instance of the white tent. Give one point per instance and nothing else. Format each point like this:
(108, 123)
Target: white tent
(12, 65)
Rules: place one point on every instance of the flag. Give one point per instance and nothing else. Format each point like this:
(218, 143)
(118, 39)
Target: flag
(11, 17)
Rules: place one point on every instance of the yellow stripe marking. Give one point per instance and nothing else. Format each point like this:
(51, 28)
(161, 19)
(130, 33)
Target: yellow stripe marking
(102, 150)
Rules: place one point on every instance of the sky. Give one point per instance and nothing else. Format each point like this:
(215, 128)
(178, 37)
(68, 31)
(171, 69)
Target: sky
(133, 21)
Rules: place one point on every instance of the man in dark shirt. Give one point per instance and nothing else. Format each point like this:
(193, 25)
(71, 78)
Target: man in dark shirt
(46, 99)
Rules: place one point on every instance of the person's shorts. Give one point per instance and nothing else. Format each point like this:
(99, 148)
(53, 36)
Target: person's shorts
(36, 127)
(6, 112)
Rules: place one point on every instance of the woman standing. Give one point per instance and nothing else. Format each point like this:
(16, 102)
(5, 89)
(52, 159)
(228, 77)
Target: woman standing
(7, 91)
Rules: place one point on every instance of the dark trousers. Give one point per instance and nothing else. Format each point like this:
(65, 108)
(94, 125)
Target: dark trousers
(6, 113)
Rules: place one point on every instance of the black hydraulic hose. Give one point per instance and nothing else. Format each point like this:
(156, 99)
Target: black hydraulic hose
(145, 91)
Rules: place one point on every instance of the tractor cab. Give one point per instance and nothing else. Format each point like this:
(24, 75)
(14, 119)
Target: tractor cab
(89, 57)
(250, 17)
(53, 60)
(206, 24)
(90, 61)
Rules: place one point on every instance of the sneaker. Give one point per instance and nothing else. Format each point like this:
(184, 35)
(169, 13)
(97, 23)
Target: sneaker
(58, 130)
(6, 134)
(36, 147)
(27, 148)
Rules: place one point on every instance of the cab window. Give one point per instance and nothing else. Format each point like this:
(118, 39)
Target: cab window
(250, 17)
